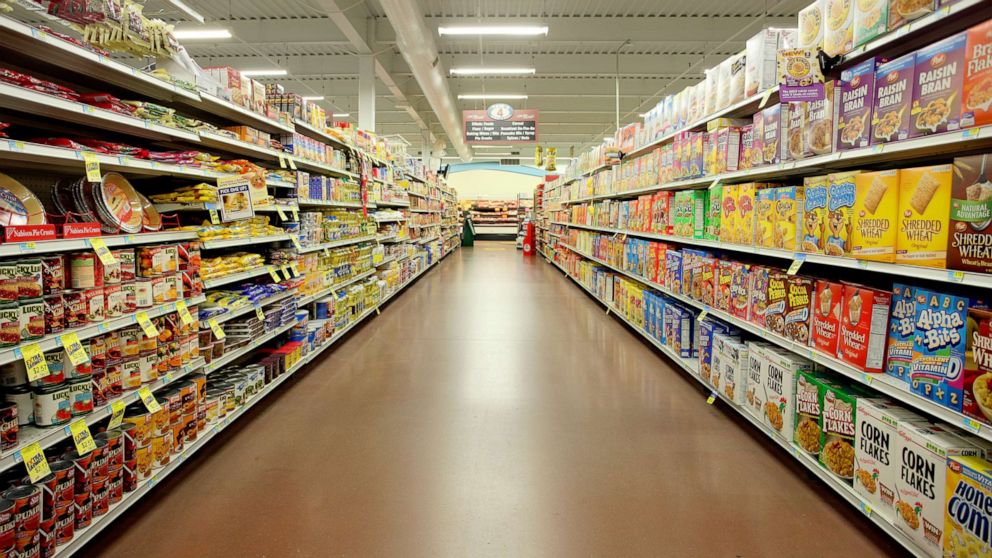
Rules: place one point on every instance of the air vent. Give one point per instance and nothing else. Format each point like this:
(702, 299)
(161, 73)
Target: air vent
(507, 162)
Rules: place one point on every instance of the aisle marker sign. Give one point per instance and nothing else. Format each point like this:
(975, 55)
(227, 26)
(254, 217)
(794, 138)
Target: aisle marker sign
(35, 462)
(149, 400)
(117, 407)
(93, 173)
(34, 361)
(184, 314)
(146, 324)
(102, 251)
(81, 436)
(796, 264)
(218, 331)
(74, 349)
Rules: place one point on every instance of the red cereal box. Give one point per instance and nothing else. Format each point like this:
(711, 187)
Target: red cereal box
(826, 316)
(740, 287)
(724, 277)
(978, 366)
(707, 280)
(977, 98)
(864, 324)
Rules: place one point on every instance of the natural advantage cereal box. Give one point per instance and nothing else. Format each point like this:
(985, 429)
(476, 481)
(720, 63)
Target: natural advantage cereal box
(810, 388)
(825, 317)
(814, 214)
(765, 218)
(789, 202)
(837, 429)
(870, 19)
(840, 204)
(797, 308)
(969, 244)
(937, 89)
(978, 366)
(780, 386)
(902, 329)
(893, 99)
(968, 511)
(875, 471)
(864, 322)
(854, 105)
(874, 217)
(977, 100)
(937, 370)
(924, 214)
(776, 300)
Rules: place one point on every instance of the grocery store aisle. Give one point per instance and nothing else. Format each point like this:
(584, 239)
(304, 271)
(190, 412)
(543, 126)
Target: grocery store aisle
(510, 417)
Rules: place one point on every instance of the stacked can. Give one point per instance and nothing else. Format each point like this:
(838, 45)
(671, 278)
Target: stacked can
(137, 429)
(130, 475)
(114, 451)
(27, 518)
(63, 505)
(82, 486)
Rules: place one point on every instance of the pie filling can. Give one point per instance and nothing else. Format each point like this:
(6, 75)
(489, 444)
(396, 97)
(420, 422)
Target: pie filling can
(65, 481)
(143, 297)
(32, 319)
(85, 270)
(30, 283)
(75, 308)
(126, 258)
(130, 297)
(54, 314)
(65, 522)
(95, 305)
(81, 397)
(27, 507)
(7, 527)
(114, 301)
(9, 282)
(53, 274)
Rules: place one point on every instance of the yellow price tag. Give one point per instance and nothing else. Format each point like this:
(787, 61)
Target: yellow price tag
(702, 315)
(796, 264)
(35, 462)
(292, 163)
(282, 161)
(259, 313)
(214, 217)
(102, 252)
(285, 272)
(327, 253)
(73, 348)
(296, 242)
(710, 399)
(34, 361)
(296, 214)
(282, 214)
(218, 331)
(118, 414)
(82, 437)
(93, 173)
(272, 273)
(149, 400)
(183, 311)
(146, 324)
(296, 269)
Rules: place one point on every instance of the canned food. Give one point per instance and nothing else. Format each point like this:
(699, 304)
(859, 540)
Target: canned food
(84, 370)
(82, 467)
(56, 370)
(7, 527)
(84, 510)
(98, 350)
(129, 341)
(115, 380)
(160, 421)
(29, 279)
(147, 365)
(54, 313)
(126, 258)
(114, 450)
(130, 475)
(8, 426)
(162, 449)
(85, 270)
(53, 274)
(144, 461)
(130, 298)
(112, 273)
(156, 260)
(212, 407)
(174, 287)
(172, 400)
(131, 373)
(75, 309)
(47, 538)
(27, 507)
(100, 387)
(64, 472)
(137, 415)
(114, 301)
(10, 324)
(47, 484)
(9, 282)
(100, 466)
(115, 484)
(81, 397)
(65, 522)
(160, 289)
(52, 405)
(32, 319)
(143, 297)
(24, 399)
(147, 344)
(94, 301)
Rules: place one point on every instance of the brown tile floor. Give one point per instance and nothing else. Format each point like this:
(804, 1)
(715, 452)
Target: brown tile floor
(492, 410)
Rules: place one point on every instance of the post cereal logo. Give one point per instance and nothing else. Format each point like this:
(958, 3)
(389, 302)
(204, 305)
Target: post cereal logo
(938, 60)
(856, 81)
(892, 78)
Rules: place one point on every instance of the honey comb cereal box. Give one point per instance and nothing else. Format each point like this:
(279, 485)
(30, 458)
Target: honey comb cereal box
(870, 19)
(758, 296)
(724, 277)
(978, 366)
(735, 363)
(789, 202)
(814, 214)
(874, 216)
(902, 329)
(740, 286)
(776, 301)
(891, 115)
(728, 217)
(968, 511)
(937, 370)
(977, 99)
(811, 25)
(765, 230)
(904, 11)
(838, 37)
(744, 222)
(840, 204)
(854, 106)
(797, 308)
(875, 470)
(837, 429)
(707, 330)
(924, 215)
(921, 456)
(864, 326)
(825, 319)
(780, 386)
(810, 388)
(937, 88)
(969, 244)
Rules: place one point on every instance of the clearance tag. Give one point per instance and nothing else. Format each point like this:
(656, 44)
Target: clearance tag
(282, 214)
(102, 251)
(81, 437)
(292, 163)
(149, 400)
(214, 218)
(35, 462)
(118, 414)
(272, 273)
(146, 324)
(73, 348)
(34, 361)
(218, 331)
(796, 264)
(93, 173)
(184, 314)
(296, 242)
(259, 313)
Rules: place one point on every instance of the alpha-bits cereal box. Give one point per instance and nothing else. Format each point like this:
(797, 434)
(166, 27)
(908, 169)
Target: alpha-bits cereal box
(798, 304)
(765, 218)
(811, 26)
(875, 215)
(921, 455)
(776, 301)
(810, 388)
(825, 316)
(840, 204)
(740, 285)
(854, 105)
(875, 440)
(978, 366)
(969, 244)
(893, 99)
(924, 202)
(837, 430)
(864, 327)
(937, 89)
(838, 38)
(780, 386)
(758, 297)
(937, 371)
(814, 214)
(870, 20)
(902, 329)
(977, 100)
(968, 509)
(789, 201)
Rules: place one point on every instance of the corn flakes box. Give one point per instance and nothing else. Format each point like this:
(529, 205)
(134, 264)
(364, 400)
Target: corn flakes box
(874, 216)
(891, 116)
(780, 386)
(924, 215)
(725, 275)
(758, 296)
(977, 95)
(938, 348)
(838, 37)
(837, 429)
(871, 18)
(789, 201)
(967, 513)
(776, 301)
(759, 355)
(745, 213)
(811, 26)
(978, 366)
(814, 214)
(810, 388)
(875, 471)
(714, 212)
(708, 328)
(854, 106)
(734, 365)
(825, 316)
(902, 329)
(728, 217)
(740, 286)
(840, 205)
(969, 244)
(765, 218)
(937, 87)
(902, 12)
(798, 305)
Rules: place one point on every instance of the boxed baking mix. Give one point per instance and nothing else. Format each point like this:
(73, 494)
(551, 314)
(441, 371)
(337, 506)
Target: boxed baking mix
(875, 216)
(967, 512)
(924, 199)
(937, 88)
(977, 93)
(854, 106)
(840, 204)
(893, 99)
(902, 330)
(938, 347)
(814, 214)
(969, 242)
(864, 323)
(825, 317)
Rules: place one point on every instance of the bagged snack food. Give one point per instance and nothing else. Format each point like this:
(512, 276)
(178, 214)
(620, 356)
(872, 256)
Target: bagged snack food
(978, 366)
(875, 215)
(893, 99)
(840, 204)
(838, 37)
(969, 244)
(825, 316)
(924, 207)
(937, 87)
(854, 106)
(811, 26)
(871, 17)
(789, 202)
(864, 324)
(977, 100)
(938, 348)
(902, 329)
(814, 214)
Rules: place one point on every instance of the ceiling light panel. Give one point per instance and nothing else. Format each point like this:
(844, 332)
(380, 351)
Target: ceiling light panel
(494, 96)
(511, 30)
(201, 34)
(263, 73)
(492, 71)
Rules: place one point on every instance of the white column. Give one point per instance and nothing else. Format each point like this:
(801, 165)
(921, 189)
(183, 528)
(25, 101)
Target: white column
(366, 92)
(425, 148)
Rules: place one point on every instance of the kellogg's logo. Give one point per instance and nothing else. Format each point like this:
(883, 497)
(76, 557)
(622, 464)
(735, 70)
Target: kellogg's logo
(892, 78)
(938, 60)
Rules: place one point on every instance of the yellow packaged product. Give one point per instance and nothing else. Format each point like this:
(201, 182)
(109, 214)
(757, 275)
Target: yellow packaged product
(968, 508)
(789, 202)
(814, 214)
(765, 218)
(728, 215)
(876, 210)
(744, 227)
(840, 203)
(924, 215)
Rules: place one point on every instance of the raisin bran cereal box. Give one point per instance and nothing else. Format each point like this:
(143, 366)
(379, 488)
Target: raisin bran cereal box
(854, 106)
(789, 202)
(818, 118)
(771, 134)
(797, 308)
(893, 99)
(758, 296)
(902, 329)
(924, 215)
(707, 330)
(765, 222)
(902, 12)
(814, 214)
(740, 286)
(864, 322)
(837, 429)
(776, 301)
(921, 456)
(810, 388)
(968, 509)
(937, 88)
(874, 216)
(825, 318)
(793, 132)
(735, 364)
(870, 19)
(811, 25)
(937, 370)
(978, 366)
(780, 385)
(875, 471)
(840, 205)
(724, 277)
(969, 244)
(838, 38)
(977, 99)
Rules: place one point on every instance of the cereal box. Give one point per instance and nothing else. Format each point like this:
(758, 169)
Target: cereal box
(673, 270)
(969, 244)
(978, 366)
(789, 202)
(723, 83)
(837, 429)
(734, 364)
(707, 281)
(722, 358)
(875, 471)
(840, 204)
(793, 130)
(740, 306)
(870, 19)
(758, 297)
(818, 119)
(921, 456)
(903, 11)
(764, 210)
(714, 212)
(728, 149)
(825, 319)
(814, 214)
(707, 330)
(758, 140)
(797, 308)
(811, 25)
(977, 99)
(771, 132)
(810, 388)
(780, 388)
(937, 88)
(864, 322)
(760, 51)
(724, 276)
(875, 214)
(738, 69)
(747, 155)
(891, 115)
(679, 330)
(967, 513)
(902, 329)
(776, 301)
(838, 37)
(854, 106)
(937, 370)
(744, 222)
(759, 355)
(924, 202)
(728, 217)
(661, 213)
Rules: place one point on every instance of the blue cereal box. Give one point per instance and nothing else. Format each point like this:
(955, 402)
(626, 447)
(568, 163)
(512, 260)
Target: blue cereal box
(937, 371)
(707, 329)
(673, 270)
(902, 327)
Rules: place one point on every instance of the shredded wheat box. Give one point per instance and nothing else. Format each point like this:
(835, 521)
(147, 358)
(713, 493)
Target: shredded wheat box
(978, 366)
(924, 215)
(875, 215)
(875, 470)
(825, 320)
(969, 244)
(864, 328)
(968, 509)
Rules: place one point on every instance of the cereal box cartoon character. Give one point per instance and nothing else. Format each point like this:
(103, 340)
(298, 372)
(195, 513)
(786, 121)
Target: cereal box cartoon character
(937, 371)
(840, 204)
(814, 214)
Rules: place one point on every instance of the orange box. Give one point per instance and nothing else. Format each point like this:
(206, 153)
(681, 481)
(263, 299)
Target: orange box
(876, 212)
(924, 215)
(977, 99)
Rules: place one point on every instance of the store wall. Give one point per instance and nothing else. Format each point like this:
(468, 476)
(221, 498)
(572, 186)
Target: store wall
(492, 184)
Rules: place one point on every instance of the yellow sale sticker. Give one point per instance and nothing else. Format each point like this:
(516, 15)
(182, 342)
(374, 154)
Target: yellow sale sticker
(259, 313)
(296, 214)
(35, 462)
(93, 173)
(272, 273)
(102, 252)
(149, 400)
(218, 331)
(796, 264)
(282, 214)
(296, 242)
(183, 311)
(282, 161)
(117, 407)
(214, 217)
(73, 348)
(82, 437)
(292, 163)
(34, 361)
(146, 324)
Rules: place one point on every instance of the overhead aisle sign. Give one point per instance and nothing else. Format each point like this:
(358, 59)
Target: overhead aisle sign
(500, 124)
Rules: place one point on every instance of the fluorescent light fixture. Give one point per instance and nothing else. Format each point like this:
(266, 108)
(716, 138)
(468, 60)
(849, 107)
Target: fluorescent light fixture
(611, 138)
(189, 11)
(527, 30)
(488, 147)
(488, 154)
(491, 71)
(263, 73)
(201, 34)
(494, 96)
(340, 114)
(643, 114)
(317, 98)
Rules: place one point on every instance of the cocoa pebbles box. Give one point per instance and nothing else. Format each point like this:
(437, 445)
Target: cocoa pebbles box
(853, 105)
(891, 116)
(969, 245)
(937, 88)
(938, 348)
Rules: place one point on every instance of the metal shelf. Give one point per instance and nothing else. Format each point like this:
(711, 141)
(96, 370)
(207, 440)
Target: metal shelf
(322, 203)
(390, 220)
(336, 244)
(392, 204)
(310, 131)
(306, 164)
(236, 146)
(235, 113)
(48, 246)
(230, 356)
(247, 241)
(234, 277)
(328, 290)
(221, 318)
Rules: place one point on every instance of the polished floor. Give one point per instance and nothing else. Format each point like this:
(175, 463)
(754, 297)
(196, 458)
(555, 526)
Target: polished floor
(492, 410)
